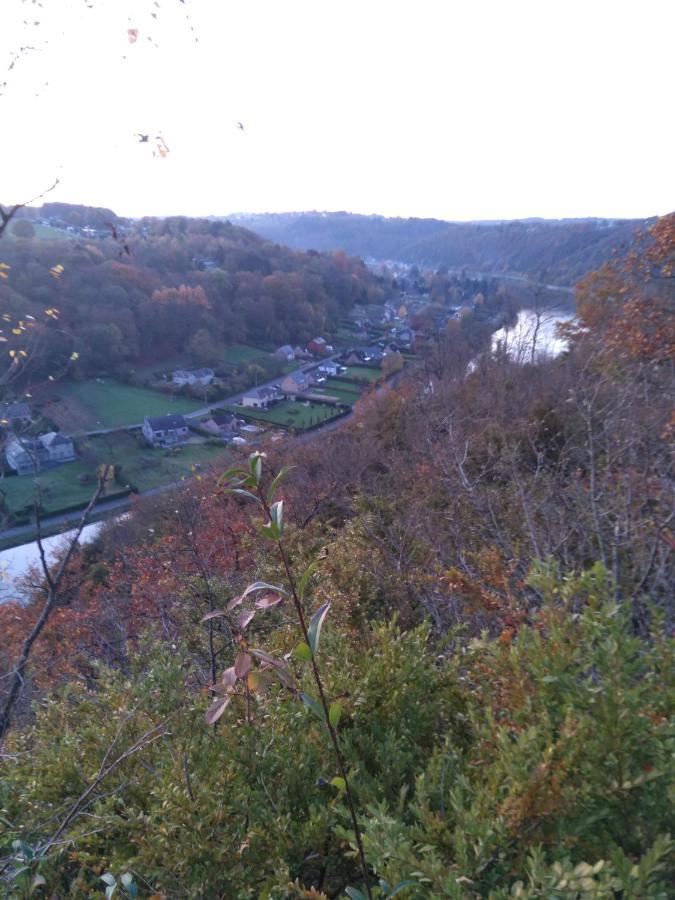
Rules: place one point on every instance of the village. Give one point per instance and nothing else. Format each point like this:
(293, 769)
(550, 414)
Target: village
(162, 432)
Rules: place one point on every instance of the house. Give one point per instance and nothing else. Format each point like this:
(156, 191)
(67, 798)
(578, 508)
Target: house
(297, 382)
(261, 398)
(223, 425)
(14, 414)
(299, 353)
(286, 353)
(329, 368)
(164, 431)
(193, 376)
(364, 356)
(36, 454)
(319, 347)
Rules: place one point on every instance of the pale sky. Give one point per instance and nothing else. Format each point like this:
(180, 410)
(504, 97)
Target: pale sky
(459, 109)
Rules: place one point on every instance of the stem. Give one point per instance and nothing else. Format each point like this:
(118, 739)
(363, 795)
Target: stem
(326, 712)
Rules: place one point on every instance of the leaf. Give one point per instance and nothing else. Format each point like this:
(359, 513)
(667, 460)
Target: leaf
(269, 659)
(315, 626)
(108, 878)
(402, 884)
(339, 783)
(215, 711)
(257, 682)
(355, 893)
(229, 677)
(270, 531)
(243, 493)
(277, 516)
(244, 619)
(277, 481)
(302, 652)
(334, 714)
(262, 586)
(235, 601)
(268, 601)
(216, 614)
(242, 665)
(309, 571)
(312, 704)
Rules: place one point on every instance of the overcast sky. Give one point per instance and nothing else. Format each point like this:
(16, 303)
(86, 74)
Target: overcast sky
(459, 109)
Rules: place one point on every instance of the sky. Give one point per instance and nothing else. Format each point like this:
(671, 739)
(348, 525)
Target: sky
(456, 109)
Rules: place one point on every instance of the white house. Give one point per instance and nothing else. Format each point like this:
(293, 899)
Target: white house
(193, 376)
(286, 352)
(27, 456)
(261, 398)
(330, 368)
(164, 431)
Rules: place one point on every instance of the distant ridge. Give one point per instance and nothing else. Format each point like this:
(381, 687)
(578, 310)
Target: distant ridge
(562, 249)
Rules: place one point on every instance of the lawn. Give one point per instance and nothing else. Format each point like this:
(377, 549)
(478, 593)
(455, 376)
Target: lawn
(141, 467)
(59, 488)
(92, 405)
(147, 467)
(363, 373)
(290, 414)
(344, 392)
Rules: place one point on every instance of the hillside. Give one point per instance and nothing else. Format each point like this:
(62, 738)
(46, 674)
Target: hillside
(563, 251)
(425, 655)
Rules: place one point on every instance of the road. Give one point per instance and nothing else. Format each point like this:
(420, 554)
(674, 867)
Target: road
(64, 521)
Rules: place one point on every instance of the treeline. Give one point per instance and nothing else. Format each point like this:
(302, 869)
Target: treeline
(560, 252)
(153, 289)
(497, 550)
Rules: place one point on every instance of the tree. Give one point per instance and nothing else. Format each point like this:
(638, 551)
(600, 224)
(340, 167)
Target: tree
(22, 228)
(202, 348)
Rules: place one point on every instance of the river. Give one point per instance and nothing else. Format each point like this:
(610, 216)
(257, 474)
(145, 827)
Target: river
(16, 562)
(518, 338)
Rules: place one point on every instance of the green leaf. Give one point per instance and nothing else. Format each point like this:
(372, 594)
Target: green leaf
(243, 493)
(313, 704)
(355, 893)
(271, 531)
(339, 783)
(229, 474)
(306, 575)
(277, 515)
(277, 481)
(315, 626)
(334, 714)
(302, 652)
(401, 885)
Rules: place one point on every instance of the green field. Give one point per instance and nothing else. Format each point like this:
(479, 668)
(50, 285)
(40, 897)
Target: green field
(142, 467)
(290, 414)
(59, 488)
(363, 373)
(345, 392)
(92, 405)
(147, 467)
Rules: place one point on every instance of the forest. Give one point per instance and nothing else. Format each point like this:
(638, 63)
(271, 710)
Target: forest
(426, 655)
(560, 252)
(147, 290)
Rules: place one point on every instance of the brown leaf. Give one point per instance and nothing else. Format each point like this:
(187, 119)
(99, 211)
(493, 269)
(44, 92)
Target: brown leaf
(229, 678)
(242, 665)
(244, 619)
(235, 601)
(216, 614)
(268, 600)
(215, 711)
